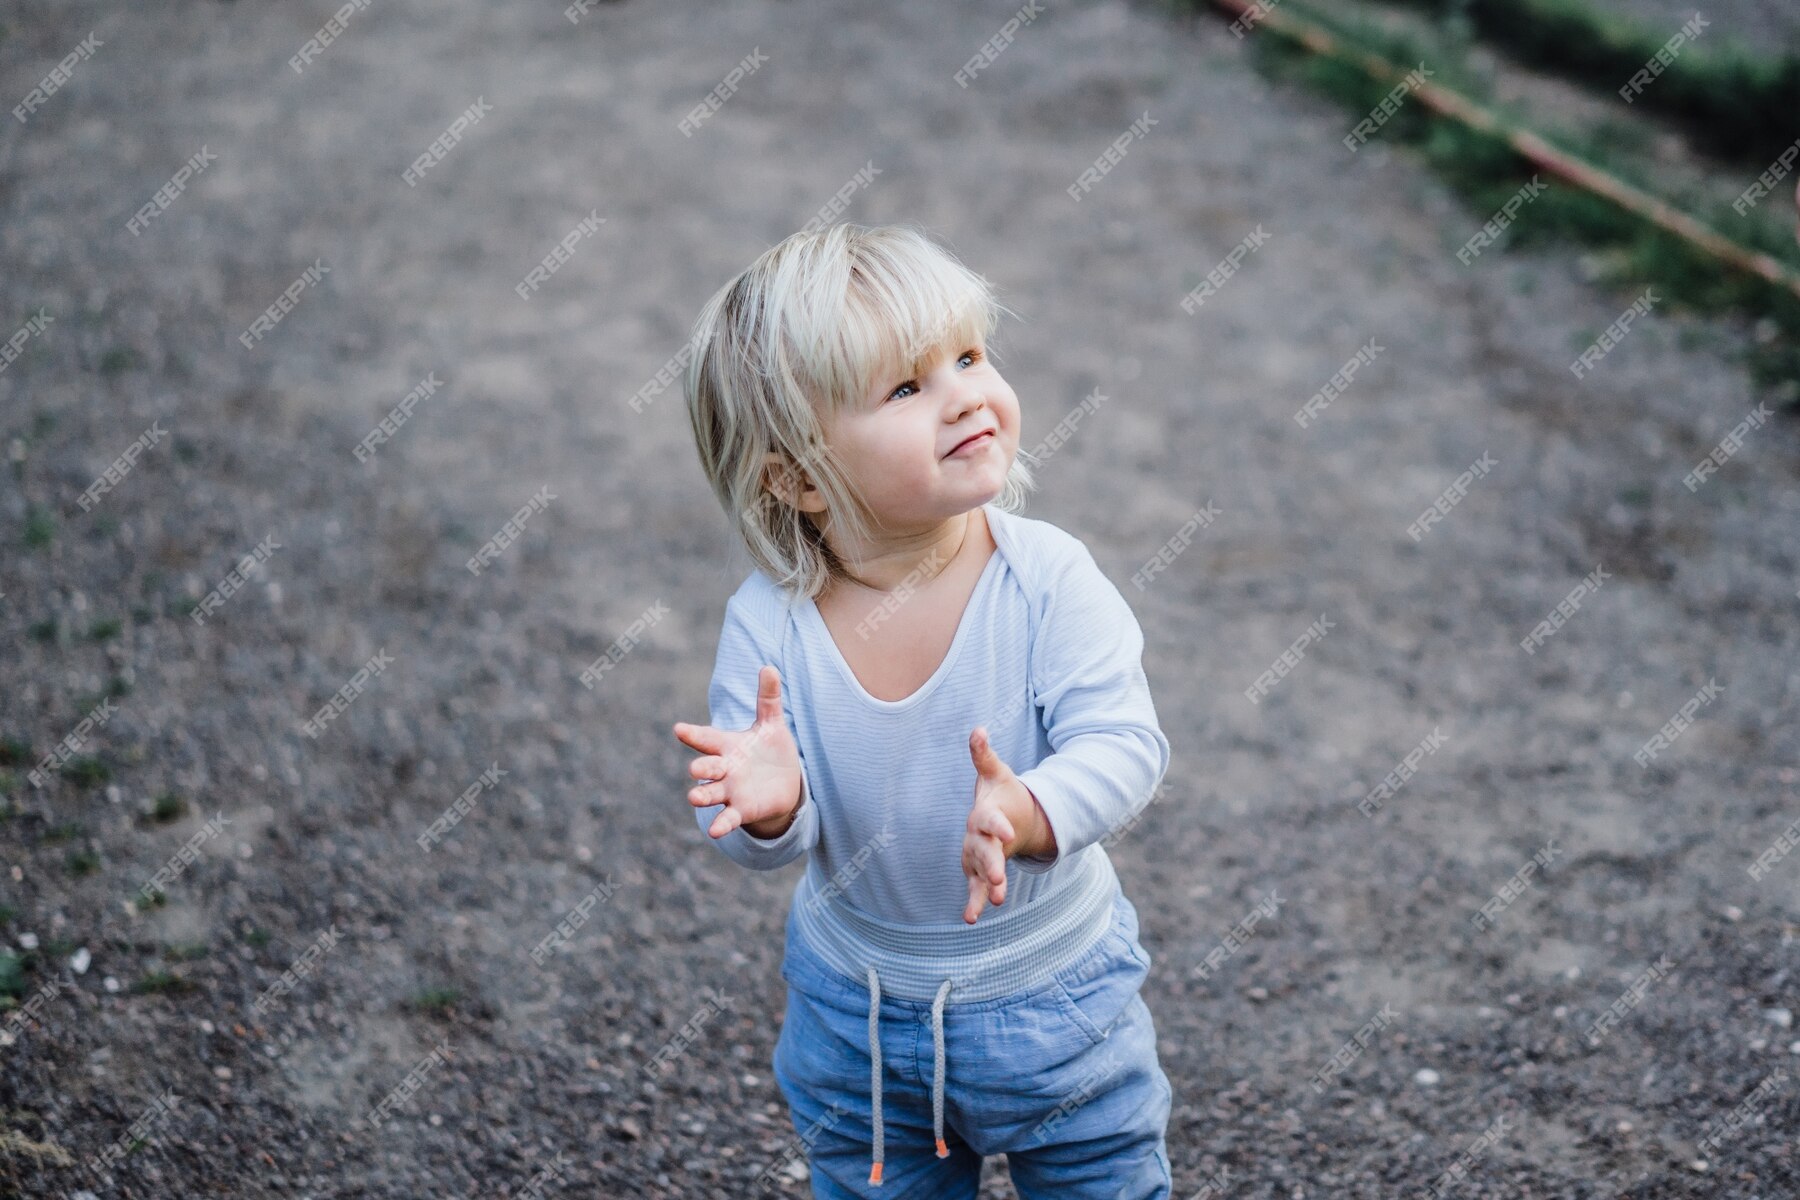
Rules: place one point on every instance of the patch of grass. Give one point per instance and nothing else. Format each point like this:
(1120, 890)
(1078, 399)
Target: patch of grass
(435, 1001)
(256, 936)
(68, 831)
(12, 975)
(40, 527)
(1486, 171)
(160, 982)
(87, 770)
(145, 903)
(188, 951)
(43, 631)
(119, 360)
(116, 687)
(1742, 103)
(14, 752)
(168, 807)
(82, 862)
(105, 629)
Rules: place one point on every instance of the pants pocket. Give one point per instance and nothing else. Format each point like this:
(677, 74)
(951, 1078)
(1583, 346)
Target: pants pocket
(1093, 994)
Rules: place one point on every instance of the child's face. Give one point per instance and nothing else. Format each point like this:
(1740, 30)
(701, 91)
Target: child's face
(899, 442)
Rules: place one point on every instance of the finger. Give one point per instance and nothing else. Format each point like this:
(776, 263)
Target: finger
(993, 862)
(726, 821)
(977, 900)
(993, 822)
(710, 766)
(768, 694)
(705, 794)
(987, 763)
(703, 738)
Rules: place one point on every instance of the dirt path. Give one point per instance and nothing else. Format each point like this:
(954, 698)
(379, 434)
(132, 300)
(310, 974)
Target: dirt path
(541, 1061)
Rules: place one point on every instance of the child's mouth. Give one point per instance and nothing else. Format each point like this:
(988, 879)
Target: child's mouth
(978, 442)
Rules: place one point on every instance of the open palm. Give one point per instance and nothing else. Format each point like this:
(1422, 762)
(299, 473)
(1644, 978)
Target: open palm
(755, 772)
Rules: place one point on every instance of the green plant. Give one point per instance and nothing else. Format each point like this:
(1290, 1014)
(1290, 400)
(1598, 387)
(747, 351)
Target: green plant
(40, 527)
(436, 1001)
(160, 981)
(12, 975)
(120, 359)
(1743, 102)
(1486, 171)
(87, 770)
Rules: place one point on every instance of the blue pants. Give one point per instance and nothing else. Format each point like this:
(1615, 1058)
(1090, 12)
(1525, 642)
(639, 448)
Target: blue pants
(1062, 1079)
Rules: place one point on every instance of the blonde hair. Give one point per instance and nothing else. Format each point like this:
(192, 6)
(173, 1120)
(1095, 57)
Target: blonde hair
(806, 331)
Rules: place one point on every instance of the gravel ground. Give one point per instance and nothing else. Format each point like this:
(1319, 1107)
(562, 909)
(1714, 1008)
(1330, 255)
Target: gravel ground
(425, 991)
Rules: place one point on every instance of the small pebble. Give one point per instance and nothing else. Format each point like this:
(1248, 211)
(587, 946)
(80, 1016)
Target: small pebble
(222, 1072)
(1426, 1077)
(28, 941)
(78, 962)
(110, 984)
(1783, 1017)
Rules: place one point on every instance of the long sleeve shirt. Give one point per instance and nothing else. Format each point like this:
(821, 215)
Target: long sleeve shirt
(1048, 656)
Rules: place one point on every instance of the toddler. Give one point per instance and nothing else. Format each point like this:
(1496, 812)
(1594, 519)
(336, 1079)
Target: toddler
(941, 705)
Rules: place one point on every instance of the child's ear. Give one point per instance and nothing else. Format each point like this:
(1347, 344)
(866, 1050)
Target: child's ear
(788, 483)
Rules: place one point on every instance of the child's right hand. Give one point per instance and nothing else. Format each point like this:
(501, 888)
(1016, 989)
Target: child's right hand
(755, 771)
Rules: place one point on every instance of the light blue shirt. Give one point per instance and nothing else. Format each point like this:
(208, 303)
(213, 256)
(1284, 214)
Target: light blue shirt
(1048, 657)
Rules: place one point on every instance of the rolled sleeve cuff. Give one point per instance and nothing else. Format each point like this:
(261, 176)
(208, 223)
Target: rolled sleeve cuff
(1047, 800)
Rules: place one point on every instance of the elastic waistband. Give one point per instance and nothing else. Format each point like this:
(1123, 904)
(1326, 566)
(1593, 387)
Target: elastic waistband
(1008, 950)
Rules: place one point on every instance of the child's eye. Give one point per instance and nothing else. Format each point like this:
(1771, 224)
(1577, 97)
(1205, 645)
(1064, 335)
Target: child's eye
(974, 355)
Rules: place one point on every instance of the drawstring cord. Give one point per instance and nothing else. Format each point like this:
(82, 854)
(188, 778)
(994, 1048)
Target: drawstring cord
(937, 1070)
(875, 1069)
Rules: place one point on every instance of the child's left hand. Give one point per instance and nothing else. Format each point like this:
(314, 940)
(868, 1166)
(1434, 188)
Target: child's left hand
(1003, 806)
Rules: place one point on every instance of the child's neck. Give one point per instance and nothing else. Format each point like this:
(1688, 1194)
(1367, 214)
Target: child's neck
(913, 558)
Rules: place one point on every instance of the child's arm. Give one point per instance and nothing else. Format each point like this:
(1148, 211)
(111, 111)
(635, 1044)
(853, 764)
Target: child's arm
(1109, 753)
(754, 735)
